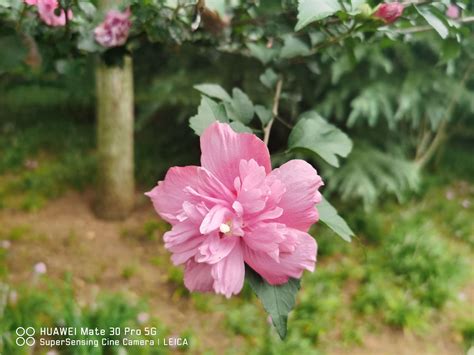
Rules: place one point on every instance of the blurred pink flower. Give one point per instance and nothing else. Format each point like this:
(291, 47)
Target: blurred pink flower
(31, 164)
(40, 268)
(453, 11)
(389, 12)
(47, 12)
(466, 203)
(13, 297)
(113, 32)
(449, 195)
(234, 209)
(5, 244)
(143, 318)
(31, 2)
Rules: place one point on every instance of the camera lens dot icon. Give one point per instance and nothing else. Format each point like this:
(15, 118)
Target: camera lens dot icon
(25, 336)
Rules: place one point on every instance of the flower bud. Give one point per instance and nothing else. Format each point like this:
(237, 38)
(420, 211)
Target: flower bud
(389, 12)
(365, 10)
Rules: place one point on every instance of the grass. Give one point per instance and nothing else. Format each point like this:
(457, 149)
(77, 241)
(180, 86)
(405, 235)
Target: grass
(53, 304)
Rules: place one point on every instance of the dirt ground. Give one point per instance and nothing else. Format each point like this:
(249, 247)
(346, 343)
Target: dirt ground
(67, 237)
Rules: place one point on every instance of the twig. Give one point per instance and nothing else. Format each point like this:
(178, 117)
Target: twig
(441, 132)
(416, 29)
(283, 122)
(276, 102)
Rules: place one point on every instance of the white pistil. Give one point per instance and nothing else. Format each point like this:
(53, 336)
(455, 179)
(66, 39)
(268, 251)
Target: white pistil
(224, 228)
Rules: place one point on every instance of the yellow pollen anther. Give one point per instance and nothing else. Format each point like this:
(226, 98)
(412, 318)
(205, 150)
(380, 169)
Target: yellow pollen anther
(224, 228)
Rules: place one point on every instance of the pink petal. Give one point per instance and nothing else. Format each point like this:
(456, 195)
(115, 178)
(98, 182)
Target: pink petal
(266, 238)
(298, 202)
(183, 241)
(214, 218)
(198, 277)
(223, 149)
(215, 248)
(169, 195)
(229, 273)
(290, 265)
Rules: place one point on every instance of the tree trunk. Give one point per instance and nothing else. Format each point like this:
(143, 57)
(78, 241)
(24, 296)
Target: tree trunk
(115, 185)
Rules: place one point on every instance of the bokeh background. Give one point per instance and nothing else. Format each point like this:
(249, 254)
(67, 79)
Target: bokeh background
(404, 285)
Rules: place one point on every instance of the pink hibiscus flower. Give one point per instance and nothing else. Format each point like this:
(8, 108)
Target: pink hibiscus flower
(234, 210)
(113, 32)
(46, 10)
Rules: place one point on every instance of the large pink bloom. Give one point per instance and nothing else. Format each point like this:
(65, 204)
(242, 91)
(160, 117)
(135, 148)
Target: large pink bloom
(113, 32)
(46, 10)
(234, 209)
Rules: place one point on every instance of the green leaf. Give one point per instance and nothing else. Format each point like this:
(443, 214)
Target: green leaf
(209, 111)
(371, 173)
(293, 47)
(269, 78)
(13, 52)
(240, 127)
(329, 216)
(278, 301)
(213, 90)
(264, 114)
(88, 8)
(241, 108)
(316, 134)
(434, 22)
(314, 10)
(261, 52)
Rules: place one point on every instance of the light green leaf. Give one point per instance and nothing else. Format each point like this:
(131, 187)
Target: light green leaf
(278, 301)
(264, 114)
(214, 91)
(293, 47)
(434, 22)
(314, 10)
(329, 216)
(241, 108)
(269, 78)
(209, 111)
(240, 127)
(316, 134)
(88, 8)
(261, 52)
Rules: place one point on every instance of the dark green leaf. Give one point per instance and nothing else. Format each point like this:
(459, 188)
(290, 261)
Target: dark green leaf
(241, 108)
(278, 301)
(13, 52)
